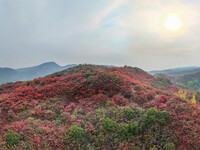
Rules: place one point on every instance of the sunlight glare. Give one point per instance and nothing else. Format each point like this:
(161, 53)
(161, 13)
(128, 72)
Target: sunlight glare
(173, 22)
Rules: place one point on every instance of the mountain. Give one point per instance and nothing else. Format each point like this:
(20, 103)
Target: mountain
(24, 74)
(176, 71)
(7, 74)
(187, 77)
(97, 107)
(189, 81)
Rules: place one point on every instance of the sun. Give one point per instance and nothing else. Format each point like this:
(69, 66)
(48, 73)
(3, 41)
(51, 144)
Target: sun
(173, 22)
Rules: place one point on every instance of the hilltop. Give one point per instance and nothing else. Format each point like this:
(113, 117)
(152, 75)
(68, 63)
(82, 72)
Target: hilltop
(97, 107)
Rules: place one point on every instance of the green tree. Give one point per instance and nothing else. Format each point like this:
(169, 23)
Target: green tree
(76, 132)
(108, 125)
(123, 131)
(12, 138)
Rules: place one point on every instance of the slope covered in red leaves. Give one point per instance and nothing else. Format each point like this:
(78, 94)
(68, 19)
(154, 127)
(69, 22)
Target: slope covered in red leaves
(70, 109)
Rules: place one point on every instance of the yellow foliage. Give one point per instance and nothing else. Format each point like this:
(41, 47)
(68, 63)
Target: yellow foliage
(194, 99)
(182, 94)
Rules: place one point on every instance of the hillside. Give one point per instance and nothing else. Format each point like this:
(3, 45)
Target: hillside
(190, 81)
(187, 77)
(176, 71)
(25, 74)
(95, 107)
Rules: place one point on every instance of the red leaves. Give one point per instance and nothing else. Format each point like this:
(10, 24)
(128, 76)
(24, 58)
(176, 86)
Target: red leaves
(47, 98)
(39, 112)
(91, 128)
(162, 99)
(120, 100)
(70, 107)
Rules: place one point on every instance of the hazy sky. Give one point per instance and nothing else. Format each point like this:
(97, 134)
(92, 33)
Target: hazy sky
(117, 32)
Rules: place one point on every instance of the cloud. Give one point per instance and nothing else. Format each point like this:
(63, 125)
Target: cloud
(112, 32)
(150, 41)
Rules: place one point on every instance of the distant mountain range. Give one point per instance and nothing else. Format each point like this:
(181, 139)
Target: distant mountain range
(29, 73)
(186, 77)
(177, 71)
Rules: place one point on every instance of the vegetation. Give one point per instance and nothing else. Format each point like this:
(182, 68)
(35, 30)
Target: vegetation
(113, 108)
(108, 125)
(76, 132)
(12, 138)
(169, 146)
(129, 113)
(123, 131)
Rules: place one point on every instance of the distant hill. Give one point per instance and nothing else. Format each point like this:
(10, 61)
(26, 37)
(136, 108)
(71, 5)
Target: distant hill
(189, 81)
(24, 74)
(177, 71)
(187, 77)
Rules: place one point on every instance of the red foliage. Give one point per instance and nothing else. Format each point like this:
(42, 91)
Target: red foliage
(121, 86)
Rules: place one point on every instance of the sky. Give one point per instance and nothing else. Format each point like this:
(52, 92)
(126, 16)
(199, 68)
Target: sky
(110, 32)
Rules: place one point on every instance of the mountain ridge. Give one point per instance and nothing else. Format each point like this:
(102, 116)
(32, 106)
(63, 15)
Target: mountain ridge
(29, 73)
(173, 72)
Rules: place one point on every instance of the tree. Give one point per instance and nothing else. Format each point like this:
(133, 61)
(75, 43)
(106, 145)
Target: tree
(182, 94)
(193, 99)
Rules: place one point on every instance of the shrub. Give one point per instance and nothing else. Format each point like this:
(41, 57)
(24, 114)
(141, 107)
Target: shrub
(150, 120)
(109, 125)
(134, 129)
(154, 117)
(12, 138)
(87, 75)
(152, 111)
(129, 113)
(162, 122)
(123, 131)
(154, 148)
(109, 103)
(135, 148)
(1, 89)
(164, 115)
(103, 102)
(58, 123)
(100, 113)
(76, 132)
(169, 146)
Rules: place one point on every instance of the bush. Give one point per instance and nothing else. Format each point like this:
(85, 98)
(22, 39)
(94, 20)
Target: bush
(152, 111)
(12, 138)
(154, 117)
(58, 123)
(150, 120)
(76, 132)
(135, 148)
(109, 103)
(164, 115)
(134, 129)
(129, 113)
(162, 122)
(87, 75)
(123, 131)
(109, 125)
(169, 146)
(103, 102)
(154, 148)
